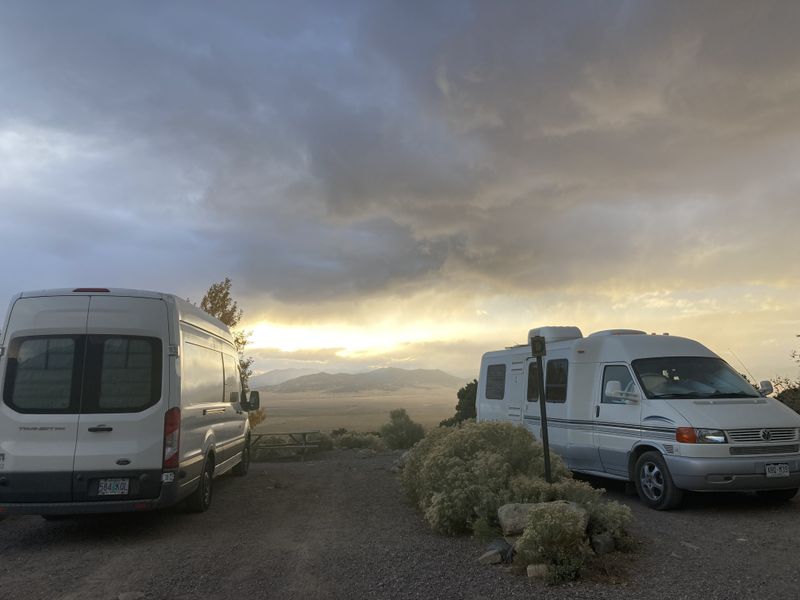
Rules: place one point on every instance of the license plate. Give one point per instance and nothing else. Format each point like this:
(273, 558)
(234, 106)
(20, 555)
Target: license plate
(777, 470)
(112, 487)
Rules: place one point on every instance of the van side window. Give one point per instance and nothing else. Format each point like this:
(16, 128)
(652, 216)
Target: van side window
(202, 376)
(533, 382)
(556, 380)
(43, 374)
(123, 374)
(495, 382)
(621, 374)
(232, 385)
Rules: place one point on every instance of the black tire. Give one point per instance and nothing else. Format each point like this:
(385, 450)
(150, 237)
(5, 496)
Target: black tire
(200, 499)
(654, 483)
(241, 469)
(777, 496)
(55, 517)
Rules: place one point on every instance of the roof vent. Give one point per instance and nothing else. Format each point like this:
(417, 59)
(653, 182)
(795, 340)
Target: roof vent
(607, 332)
(556, 334)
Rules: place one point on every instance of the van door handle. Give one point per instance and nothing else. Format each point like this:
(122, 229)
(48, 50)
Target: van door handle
(597, 411)
(100, 428)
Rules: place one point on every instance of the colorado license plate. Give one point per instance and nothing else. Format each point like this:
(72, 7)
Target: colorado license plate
(777, 470)
(113, 487)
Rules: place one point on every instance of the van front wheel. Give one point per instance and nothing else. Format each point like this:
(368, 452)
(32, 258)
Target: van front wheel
(654, 483)
(240, 470)
(200, 499)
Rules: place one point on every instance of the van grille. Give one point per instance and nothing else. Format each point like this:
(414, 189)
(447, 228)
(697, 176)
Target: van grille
(759, 436)
(750, 450)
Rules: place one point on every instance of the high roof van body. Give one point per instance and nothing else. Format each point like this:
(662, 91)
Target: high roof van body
(662, 411)
(116, 400)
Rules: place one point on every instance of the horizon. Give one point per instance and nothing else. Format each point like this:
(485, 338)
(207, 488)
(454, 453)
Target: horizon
(398, 185)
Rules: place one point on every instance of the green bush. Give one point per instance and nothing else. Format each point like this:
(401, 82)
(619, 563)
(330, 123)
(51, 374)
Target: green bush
(401, 432)
(352, 439)
(555, 535)
(459, 474)
(791, 398)
(465, 408)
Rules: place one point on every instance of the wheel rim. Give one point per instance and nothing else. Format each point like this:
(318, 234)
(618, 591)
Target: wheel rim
(651, 480)
(207, 488)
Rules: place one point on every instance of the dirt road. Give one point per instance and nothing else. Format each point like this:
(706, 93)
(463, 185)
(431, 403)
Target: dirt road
(337, 526)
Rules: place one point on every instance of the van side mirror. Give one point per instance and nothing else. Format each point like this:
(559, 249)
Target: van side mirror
(254, 402)
(614, 390)
(765, 387)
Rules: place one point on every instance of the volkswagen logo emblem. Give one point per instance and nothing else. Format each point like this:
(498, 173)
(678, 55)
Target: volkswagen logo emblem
(766, 435)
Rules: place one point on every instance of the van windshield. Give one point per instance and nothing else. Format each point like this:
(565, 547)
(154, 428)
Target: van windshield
(691, 377)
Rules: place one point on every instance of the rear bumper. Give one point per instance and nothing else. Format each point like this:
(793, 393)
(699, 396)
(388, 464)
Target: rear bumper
(169, 495)
(734, 474)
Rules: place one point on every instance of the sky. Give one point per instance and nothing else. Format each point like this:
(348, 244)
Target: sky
(413, 184)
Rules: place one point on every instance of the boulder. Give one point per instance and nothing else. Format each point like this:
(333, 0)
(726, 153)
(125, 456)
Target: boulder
(538, 571)
(513, 518)
(602, 543)
(492, 557)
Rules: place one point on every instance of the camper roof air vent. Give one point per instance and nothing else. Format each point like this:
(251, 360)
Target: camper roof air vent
(556, 334)
(607, 332)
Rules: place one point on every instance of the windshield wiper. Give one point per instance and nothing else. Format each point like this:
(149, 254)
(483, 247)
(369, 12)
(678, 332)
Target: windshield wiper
(732, 395)
(678, 395)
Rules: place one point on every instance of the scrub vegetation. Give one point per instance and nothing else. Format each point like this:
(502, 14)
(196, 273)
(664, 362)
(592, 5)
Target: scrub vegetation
(789, 392)
(465, 408)
(460, 476)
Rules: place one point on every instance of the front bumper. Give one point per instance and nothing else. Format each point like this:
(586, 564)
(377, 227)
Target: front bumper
(745, 473)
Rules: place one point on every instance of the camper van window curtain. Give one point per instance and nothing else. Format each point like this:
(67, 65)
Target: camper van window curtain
(556, 380)
(495, 382)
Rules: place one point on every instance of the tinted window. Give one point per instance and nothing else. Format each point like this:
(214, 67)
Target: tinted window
(123, 374)
(621, 374)
(533, 382)
(232, 384)
(691, 377)
(556, 380)
(495, 382)
(42, 374)
(201, 375)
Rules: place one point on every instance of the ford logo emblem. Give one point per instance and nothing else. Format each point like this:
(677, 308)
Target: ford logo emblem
(766, 435)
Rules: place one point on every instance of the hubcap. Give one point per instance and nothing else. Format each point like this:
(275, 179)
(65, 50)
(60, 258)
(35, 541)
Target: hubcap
(651, 480)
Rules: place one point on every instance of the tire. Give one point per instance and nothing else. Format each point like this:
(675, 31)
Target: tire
(777, 496)
(654, 483)
(200, 499)
(241, 469)
(55, 517)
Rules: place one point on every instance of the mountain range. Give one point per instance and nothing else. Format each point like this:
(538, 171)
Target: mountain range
(386, 379)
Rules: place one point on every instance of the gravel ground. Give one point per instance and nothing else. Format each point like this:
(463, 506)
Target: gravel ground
(337, 526)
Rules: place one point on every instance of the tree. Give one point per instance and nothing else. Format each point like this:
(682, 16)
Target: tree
(465, 409)
(401, 432)
(219, 303)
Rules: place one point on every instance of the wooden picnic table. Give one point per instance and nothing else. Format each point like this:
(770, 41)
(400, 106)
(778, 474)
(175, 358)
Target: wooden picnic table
(300, 440)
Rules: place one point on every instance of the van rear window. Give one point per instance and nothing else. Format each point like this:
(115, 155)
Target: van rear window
(556, 380)
(41, 376)
(495, 382)
(83, 374)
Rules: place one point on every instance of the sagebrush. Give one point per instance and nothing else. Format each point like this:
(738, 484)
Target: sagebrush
(401, 432)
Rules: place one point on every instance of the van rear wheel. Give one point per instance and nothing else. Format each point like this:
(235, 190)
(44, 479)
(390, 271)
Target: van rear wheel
(200, 499)
(654, 483)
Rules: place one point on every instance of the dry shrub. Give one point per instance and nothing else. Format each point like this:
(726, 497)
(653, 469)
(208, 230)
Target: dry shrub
(352, 439)
(401, 432)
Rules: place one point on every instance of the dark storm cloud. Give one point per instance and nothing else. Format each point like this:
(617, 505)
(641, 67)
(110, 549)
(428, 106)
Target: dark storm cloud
(319, 152)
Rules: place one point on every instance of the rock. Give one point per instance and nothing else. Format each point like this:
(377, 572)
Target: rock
(538, 571)
(602, 543)
(513, 517)
(492, 557)
(365, 453)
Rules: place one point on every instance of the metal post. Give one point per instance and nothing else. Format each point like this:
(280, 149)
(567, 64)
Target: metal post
(538, 349)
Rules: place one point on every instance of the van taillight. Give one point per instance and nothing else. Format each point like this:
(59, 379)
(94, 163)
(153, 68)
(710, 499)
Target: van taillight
(92, 290)
(172, 437)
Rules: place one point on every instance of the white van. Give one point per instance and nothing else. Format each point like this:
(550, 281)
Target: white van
(116, 400)
(662, 411)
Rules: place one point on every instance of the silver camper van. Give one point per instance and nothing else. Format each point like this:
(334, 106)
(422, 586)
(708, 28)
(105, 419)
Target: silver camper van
(662, 411)
(116, 400)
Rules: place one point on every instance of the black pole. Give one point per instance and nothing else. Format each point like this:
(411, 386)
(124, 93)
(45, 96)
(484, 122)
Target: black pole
(538, 349)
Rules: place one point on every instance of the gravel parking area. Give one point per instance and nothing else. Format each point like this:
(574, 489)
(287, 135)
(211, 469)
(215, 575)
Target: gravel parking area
(337, 526)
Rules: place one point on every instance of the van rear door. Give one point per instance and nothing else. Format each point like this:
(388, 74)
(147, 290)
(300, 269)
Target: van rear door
(41, 373)
(119, 450)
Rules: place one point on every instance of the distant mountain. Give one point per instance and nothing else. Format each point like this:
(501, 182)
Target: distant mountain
(277, 376)
(387, 379)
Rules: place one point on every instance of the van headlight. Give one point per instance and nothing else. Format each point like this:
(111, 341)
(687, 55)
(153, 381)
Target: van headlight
(711, 436)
